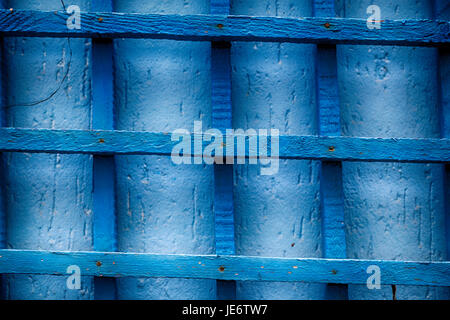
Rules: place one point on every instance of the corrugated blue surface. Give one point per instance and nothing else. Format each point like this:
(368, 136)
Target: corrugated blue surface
(48, 197)
(279, 215)
(163, 86)
(393, 211)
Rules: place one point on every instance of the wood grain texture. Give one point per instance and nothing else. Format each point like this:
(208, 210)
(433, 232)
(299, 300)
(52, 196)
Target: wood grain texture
(223, 267)
(218, 27)
(159, 143)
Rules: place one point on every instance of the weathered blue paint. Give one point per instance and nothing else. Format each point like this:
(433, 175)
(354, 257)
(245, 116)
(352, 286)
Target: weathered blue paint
(291, 147)
(2, 208)
(331, 174)
(102, 118)
(223, 175)
(273, 86)
(121, 264)
(221, 106)
(393, 211)
(48, 197)
(162, 86)
(443, 12)
(216, 27)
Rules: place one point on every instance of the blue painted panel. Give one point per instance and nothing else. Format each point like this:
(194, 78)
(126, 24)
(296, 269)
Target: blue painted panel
(162, 207)
(48, 197)
(273, 86)
(392, 211)
(216, 28)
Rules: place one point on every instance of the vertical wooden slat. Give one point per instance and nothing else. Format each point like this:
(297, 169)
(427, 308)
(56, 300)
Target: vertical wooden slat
(331, 175)
(223, 174)
(442, 12)
(103, 118)
(2, 208)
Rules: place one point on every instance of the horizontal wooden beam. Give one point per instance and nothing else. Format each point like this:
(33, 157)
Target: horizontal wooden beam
(290, 147)
(229, 28)
(223, 267)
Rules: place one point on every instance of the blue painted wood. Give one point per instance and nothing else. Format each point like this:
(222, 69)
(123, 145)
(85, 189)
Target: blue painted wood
(223, 205)
(2, 211)
(333, 228)
(220, 7)
(324, 8)
(221, 104)
(327, 87)
(333, 211)
(443, 12)
(223, 267)
(103, 118)
(291, 147)
(213, 27)
(223, 175)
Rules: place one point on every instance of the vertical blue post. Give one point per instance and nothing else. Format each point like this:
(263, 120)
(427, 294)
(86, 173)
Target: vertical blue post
(103, 119)
(163, 85)
(274, 86)
(331, 175)
(2, 208)
(393, 211)
(223, 174)
(443, 13)
(48, 197)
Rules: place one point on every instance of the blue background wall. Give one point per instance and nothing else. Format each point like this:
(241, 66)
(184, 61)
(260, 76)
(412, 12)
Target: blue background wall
(147, 91)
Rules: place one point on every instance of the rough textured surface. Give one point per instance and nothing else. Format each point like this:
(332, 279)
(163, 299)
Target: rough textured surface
(48, 197)
(443, 12)
(393, 211)
(120, 264)
(214, 27)
(163, 85)
(160, 143)
(273, 86)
